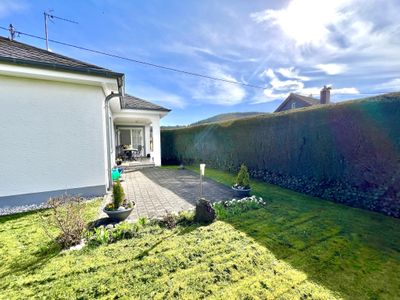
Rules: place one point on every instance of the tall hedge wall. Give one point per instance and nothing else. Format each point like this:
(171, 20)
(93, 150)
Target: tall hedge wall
(348, 152)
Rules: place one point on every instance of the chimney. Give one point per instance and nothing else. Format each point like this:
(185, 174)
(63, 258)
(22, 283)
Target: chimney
(325, 97)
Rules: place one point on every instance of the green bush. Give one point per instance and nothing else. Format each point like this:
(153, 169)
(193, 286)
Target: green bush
(118, 195)
(243, 177)
(348, 152)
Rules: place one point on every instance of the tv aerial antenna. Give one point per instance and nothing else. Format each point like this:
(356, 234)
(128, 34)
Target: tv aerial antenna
(48, 16)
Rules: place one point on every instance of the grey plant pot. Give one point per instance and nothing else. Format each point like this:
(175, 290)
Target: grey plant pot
(241, 193)
(118, 215)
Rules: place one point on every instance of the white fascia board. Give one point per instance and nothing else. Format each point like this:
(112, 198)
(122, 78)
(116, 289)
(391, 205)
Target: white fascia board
(108, 84)
(159, 113)
(136, 114)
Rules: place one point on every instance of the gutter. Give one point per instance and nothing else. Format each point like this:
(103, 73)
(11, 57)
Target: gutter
(120, 94)
(108, 138)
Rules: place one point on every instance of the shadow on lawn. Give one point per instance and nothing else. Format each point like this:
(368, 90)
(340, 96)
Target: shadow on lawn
(16, 216)
(38, 259)
(339, 249)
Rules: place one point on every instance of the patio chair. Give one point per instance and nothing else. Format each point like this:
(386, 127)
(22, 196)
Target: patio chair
(138, 153)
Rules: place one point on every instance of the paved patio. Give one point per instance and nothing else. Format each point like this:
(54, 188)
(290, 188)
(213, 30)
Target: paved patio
(157, 191)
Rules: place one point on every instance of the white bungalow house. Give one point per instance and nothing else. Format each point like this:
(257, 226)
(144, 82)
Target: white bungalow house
(63, 123)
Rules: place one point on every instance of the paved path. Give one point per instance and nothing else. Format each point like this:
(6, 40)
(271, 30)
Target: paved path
(157, 191)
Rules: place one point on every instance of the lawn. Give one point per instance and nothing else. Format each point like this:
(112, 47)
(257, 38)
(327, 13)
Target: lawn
(215, 261)
(295, 248)
(350, 251)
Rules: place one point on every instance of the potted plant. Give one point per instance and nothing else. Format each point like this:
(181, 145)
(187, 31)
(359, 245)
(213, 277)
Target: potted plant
(242, 185)
(120, 207)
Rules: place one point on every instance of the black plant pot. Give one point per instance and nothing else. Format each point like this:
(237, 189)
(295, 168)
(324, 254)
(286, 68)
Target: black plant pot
(241, 193)
(118, 215)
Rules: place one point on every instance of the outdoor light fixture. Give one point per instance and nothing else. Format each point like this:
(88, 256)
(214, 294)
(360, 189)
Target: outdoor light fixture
(202, 169)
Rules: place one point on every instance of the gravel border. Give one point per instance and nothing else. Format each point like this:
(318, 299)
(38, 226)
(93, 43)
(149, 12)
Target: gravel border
(20, 209)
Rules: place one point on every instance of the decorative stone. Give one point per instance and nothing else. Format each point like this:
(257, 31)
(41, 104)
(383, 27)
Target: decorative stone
(205, 213)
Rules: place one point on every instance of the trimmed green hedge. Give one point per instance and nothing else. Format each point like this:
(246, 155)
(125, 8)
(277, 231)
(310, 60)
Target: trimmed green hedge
(347, 152)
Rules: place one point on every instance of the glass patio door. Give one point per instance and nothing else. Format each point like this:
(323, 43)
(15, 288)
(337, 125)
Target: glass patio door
(137, 137)
(131, 137)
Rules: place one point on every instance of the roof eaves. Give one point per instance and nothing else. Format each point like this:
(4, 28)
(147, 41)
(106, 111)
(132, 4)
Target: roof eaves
(150, 109)
(59, 67)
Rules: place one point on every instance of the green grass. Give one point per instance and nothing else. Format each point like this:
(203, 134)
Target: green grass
(215, 261)
(296, 248)
(347, 250)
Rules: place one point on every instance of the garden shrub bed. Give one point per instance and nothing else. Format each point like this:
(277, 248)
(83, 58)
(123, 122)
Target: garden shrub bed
(347, 152)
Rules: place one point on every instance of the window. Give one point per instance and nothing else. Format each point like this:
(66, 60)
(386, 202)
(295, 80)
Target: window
(125, 137)
(132, 137)
(293, 105)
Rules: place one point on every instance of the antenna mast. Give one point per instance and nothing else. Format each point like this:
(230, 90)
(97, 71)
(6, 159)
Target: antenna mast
(12, 31)
(49, 16)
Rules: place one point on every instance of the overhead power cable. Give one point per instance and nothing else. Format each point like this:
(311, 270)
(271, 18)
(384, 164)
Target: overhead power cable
(139, 61)
(161, 66)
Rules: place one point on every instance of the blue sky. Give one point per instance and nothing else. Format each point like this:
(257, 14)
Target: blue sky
(286, 46)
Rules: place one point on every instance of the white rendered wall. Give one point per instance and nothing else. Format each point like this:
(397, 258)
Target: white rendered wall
(156, 141)
(51, 136)
(147, 138)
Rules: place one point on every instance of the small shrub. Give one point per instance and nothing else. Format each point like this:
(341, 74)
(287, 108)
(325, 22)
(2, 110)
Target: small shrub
(243, 178)
(112, 233)
(205, 213)
(66, 214)
(142, 221)
(118, 198)
(169, 221)
(118, 195)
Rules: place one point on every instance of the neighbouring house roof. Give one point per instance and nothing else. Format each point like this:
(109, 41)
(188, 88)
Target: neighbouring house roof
(308, 101)
(131, 102)
(14, 52)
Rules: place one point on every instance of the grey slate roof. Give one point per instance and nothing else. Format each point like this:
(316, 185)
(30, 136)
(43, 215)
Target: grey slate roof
(22, 54)
(131, 102)
(308, 101)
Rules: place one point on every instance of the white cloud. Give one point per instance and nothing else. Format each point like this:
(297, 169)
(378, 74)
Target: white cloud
(157, 96)
(292, 73)
(268, 73)
(218, 92)
(391, 85)
(284, 85)
(315, 91)
(281, 85)
(272, 94)
(332, 69)
(304, 21)
(8, 7)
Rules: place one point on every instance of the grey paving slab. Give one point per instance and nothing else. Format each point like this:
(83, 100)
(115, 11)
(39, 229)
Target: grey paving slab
(157, 191)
